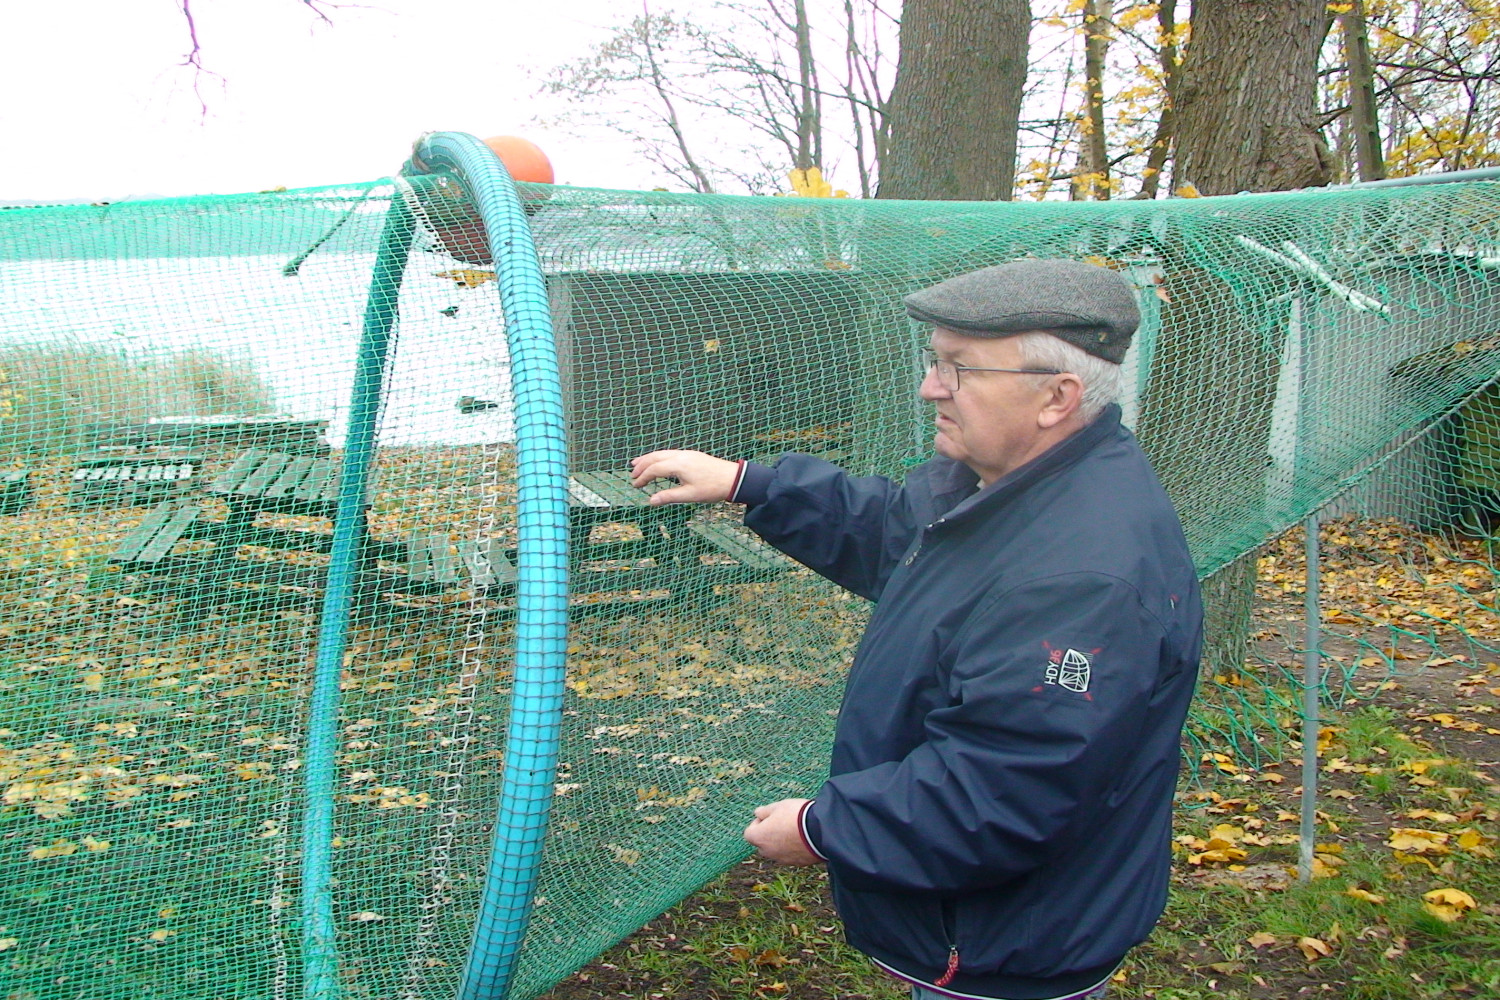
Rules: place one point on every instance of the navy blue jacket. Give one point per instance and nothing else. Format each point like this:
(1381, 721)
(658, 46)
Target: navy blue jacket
(1005, 758)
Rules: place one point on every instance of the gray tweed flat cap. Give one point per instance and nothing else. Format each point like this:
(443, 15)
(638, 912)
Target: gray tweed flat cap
(1089, 306)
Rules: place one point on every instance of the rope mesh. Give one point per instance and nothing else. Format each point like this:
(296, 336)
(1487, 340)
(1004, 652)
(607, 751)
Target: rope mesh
(175, 395)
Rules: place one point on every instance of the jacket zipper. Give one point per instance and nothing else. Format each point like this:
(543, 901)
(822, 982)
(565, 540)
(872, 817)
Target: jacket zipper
(950, 935)
(922, 540)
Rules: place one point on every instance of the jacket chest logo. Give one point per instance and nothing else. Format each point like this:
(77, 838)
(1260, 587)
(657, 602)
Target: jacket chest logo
(1069, 669)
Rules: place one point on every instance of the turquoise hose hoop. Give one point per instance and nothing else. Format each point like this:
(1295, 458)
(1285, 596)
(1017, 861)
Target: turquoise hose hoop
(320, 772)
(542, 596)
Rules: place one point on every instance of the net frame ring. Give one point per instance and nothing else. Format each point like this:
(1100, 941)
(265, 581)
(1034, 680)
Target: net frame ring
(451, 216)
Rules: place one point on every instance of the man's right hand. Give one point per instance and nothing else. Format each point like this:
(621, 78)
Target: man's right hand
(701, 478)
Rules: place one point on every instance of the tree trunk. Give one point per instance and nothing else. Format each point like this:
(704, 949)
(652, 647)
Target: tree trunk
(1166, 126)
(1092, 179)
(1245, 121)
(809, 113)
(1247, 100)
(956, 101)
(1364, 124)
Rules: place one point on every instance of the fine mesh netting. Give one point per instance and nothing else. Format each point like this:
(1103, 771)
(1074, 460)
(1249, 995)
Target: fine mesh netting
(175, 414)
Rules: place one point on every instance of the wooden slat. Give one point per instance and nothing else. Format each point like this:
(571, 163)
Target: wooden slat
(317, 479)
(740, 545)
(476, 556)
(255, 484)
(290, 476)
(331, 488)
(418, 561)
(614, 487)
(169, 535)
(580, 495)
(487, 564)
(226, 481)
(142, 533)
(445, 566)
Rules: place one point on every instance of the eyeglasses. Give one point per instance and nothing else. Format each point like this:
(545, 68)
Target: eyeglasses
(948, 371)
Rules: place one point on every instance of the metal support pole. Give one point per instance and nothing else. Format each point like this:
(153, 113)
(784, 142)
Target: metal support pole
(1312, 684)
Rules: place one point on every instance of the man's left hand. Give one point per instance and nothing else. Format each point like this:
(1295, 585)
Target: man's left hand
(777, 835)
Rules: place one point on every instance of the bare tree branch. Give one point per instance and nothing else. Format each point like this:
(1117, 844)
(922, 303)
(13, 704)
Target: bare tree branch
(703, 184)
(764, 85)
(194, 58)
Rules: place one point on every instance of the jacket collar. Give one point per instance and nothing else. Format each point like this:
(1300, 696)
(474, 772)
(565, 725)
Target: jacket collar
(953, 482)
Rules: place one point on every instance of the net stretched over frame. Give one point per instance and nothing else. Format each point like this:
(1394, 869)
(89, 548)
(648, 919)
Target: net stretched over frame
(176, 390)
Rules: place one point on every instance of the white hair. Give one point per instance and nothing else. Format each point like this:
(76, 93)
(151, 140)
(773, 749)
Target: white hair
(1102, 380)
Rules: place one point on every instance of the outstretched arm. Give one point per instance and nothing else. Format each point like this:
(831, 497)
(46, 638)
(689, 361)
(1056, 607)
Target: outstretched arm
(701, 478)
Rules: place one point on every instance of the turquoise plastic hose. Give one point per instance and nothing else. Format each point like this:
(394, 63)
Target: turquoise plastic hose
(542, 596)
(320, 770)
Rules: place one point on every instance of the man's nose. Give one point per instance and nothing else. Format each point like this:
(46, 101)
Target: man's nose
(931, 388)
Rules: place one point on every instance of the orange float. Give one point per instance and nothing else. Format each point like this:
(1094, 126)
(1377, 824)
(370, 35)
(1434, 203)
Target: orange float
(523, 158)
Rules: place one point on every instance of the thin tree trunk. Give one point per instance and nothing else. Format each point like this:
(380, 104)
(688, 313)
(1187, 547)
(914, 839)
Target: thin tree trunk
(659, 84)
(809, 124)
(956, 101)
(1363, 121)
(1092, 179)
(1161, 143)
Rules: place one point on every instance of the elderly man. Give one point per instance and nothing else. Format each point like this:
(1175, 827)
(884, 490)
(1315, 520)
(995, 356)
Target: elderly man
(997, 820)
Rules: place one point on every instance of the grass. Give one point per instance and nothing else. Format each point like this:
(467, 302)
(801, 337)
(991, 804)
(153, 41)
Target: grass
(1360, 931)
(757, 931)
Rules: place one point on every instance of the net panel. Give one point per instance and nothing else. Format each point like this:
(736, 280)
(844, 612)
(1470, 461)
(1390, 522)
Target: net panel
(176, 392)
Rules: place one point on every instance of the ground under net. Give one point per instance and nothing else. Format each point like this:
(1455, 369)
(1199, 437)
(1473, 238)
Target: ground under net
(175, 412)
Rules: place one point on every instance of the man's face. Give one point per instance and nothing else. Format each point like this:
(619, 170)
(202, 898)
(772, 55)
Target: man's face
(992, 423)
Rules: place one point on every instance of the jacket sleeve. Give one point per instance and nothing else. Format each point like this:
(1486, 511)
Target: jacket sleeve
(852, 530)
(1020, 758)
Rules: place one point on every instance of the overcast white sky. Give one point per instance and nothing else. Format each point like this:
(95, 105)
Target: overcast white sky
(94, 103)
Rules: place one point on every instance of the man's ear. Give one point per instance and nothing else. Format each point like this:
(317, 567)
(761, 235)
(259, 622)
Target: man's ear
(1064, 395)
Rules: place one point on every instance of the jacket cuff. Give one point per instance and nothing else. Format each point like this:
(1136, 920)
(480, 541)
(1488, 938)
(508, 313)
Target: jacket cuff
(752, 483)
(804, 822)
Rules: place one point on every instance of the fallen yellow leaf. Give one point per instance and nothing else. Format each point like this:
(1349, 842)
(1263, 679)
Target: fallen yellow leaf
(1474, 842)
(1261, 939)
(1367, 896)
(1325, 865)
(57, 849)
(1447, 905)
(1436, 817)
(465, 277)
(624, 855)
(1414, 841)
(1313, 949)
